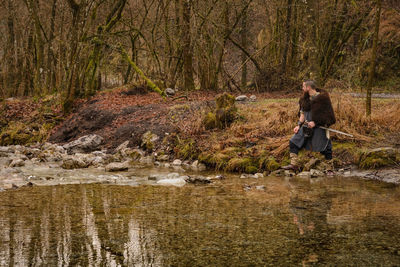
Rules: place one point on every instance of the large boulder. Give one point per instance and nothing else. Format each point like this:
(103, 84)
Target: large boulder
(87, 143)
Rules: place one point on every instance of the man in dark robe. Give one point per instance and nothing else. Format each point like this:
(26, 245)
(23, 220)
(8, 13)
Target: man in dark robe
(315, 110)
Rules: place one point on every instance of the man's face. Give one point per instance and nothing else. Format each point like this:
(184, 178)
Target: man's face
(305, 88)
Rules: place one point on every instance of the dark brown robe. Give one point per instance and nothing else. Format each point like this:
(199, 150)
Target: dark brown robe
(320, 107)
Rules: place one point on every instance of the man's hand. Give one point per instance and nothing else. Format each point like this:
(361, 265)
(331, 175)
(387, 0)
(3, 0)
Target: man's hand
(296, 129)
(311, 124)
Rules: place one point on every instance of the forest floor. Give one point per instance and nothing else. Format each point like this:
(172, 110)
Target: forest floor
(256, 141)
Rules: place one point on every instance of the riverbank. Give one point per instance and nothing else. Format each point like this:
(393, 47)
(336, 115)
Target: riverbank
(252, 139)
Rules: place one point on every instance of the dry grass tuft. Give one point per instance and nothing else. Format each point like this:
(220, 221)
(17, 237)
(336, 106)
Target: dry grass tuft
(268, 124)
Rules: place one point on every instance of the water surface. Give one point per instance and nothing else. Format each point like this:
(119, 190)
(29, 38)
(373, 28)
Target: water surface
(335, 221)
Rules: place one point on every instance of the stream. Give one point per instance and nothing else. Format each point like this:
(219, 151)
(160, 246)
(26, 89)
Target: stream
(87, 218)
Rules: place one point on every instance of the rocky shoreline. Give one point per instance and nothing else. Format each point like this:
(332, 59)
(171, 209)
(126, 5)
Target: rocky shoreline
(82, 161)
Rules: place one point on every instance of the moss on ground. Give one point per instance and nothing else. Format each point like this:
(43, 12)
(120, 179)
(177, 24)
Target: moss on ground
(224, 114)
(269, 163)
(245, 164)
(378, 158)
(186, 149)
(19, 133)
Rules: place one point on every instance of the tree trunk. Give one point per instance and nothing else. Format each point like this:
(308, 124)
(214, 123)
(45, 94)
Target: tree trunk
(51, 71)
(373, 57)
(71, 75)
(187, 46)
(92, 69)
(287, 37)
(243, 34)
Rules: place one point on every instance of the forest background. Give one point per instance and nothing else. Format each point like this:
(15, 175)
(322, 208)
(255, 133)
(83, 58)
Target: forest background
(74, 48)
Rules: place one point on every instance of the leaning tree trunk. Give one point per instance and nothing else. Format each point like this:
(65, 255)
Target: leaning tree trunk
(149, 82)
(373, 57)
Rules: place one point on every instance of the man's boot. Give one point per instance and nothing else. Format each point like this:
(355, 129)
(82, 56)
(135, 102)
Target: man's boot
(294, 163)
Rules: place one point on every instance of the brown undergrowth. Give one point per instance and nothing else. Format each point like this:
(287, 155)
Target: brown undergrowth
(258, 139)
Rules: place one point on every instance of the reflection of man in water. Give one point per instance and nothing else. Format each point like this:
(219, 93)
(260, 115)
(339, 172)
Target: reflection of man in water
(310, 216)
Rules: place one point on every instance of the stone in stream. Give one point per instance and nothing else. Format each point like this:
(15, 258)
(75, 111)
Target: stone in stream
(17, 163)
(279, 172)
(4, 161)
(216, 177)
(260, 187)
(177, 162)
(6, 149)
(201, 167)
(97, 161)
(172, 175)
(241, 98)
(162, 157)
(197, 166)
(289, 173)
(167, 165)
(153, 177)
(99, 154)
(258, 175)
(180, 181)
(74, 163)
(117, 166)
(197, 179)
(85, 143)
(304, 174)
(122, 146)
(147, 160)
(316, 173)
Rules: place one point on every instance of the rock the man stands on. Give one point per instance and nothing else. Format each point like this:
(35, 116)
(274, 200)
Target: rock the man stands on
(315, 110)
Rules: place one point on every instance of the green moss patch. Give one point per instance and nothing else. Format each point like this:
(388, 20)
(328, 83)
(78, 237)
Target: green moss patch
(224, 114)
(377, 158)
(19, 133)
(246, 165)
(186, 149)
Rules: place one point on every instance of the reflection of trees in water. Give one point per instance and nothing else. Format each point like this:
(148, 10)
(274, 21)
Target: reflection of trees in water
(140, 249)
(92, 241)
(63, 236)
(21, 237)
(74, 228)
(153, 226)
(4, 240)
